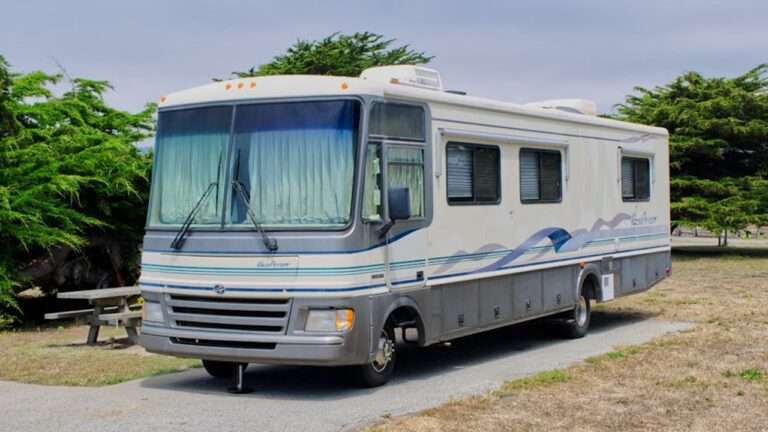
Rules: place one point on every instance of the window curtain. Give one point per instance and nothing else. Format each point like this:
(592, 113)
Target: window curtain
(406, 169)
(301, 176)
(627, 178)
(188, 165)
(190, 152)
(529, 175)
(459, 172)
(371, 191)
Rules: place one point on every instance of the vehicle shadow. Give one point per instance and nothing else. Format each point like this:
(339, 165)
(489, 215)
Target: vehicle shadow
(414, 363)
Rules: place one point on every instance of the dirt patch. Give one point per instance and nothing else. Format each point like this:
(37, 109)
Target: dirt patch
(712, 377)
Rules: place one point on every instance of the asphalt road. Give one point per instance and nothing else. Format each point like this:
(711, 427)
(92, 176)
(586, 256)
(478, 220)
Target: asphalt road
(316, 399)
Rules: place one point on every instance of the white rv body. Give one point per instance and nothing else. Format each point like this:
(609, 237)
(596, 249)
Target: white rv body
(459, 268)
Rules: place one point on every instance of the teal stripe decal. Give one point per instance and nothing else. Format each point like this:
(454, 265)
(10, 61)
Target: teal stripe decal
(373, 268)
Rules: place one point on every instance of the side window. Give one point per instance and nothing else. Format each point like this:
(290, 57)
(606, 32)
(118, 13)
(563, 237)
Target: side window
(473, 174)
(397, 121)
(406, 169)
(372, 185)
(635, 179)
(540, 176)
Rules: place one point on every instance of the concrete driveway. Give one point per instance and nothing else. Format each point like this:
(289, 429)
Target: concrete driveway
(317, 399)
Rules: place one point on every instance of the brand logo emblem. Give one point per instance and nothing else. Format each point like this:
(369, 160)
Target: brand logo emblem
(219, 289)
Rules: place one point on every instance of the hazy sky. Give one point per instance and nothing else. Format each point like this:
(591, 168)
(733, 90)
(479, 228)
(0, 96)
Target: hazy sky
(517, 50)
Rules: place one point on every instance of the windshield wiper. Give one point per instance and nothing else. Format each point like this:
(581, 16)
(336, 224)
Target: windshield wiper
(178, 241)
(269, 243)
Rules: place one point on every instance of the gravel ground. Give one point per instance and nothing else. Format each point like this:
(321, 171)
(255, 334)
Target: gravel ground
(317, 399)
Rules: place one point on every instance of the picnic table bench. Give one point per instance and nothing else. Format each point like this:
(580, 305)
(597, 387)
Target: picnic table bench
(110, 305)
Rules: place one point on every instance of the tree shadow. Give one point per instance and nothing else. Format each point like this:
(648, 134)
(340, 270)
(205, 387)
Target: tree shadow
(414, 363)
(113, 343)
(694, 252)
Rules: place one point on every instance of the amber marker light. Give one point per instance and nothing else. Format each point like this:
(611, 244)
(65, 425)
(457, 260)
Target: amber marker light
(253, 84)
(344, 86)
(345, 319)
(582, 264)
(228, 86)
(240, 85)
(162, 98)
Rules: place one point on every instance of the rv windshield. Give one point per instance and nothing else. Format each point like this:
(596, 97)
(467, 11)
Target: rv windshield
(294, 161)
(190, 154)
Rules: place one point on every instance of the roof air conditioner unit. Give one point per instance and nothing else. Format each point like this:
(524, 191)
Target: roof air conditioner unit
(410, 75)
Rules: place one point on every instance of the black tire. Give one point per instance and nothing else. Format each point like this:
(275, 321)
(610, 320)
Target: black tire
(381, 369)
(219, 369)
(576, 323)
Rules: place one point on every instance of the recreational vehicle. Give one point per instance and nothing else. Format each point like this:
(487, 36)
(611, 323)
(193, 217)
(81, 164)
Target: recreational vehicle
(318, 220)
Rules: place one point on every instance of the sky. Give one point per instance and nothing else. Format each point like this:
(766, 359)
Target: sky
(518, 51)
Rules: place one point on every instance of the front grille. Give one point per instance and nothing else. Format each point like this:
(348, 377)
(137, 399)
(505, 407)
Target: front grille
(255, 328)
(224, 312)
(267, 316)
(225, 344)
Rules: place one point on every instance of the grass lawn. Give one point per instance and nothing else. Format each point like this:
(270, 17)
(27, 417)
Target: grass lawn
(711, 378)
(59, 356)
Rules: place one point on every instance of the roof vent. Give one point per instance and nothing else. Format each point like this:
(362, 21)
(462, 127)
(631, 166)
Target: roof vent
(410, 75)
(575, 106)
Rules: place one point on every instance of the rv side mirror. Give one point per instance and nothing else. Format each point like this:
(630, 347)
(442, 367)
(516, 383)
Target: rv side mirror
(399, 203)
(399, 200)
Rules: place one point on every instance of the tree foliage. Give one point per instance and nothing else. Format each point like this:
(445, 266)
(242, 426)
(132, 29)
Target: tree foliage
(718, 145)
(338, 54)
(70, 177)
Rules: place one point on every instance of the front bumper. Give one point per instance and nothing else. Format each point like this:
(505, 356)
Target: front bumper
(298, 350)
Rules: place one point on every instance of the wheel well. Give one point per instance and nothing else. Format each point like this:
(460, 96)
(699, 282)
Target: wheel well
(591, 286)
(406, 317)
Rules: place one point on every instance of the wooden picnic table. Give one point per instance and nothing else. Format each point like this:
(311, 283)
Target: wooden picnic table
(109, 305)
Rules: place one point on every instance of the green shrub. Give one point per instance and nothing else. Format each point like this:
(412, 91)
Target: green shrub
(69, 174)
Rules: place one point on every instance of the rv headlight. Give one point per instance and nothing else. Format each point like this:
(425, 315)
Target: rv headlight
(329, 320)
(152, 311)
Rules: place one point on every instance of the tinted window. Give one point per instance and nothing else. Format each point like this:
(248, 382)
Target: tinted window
(397, 121)
(473, 174)
(540, 176)
(635, 179)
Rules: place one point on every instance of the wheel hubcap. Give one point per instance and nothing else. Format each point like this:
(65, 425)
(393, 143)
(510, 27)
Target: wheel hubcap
(581, 311)
(385, 352)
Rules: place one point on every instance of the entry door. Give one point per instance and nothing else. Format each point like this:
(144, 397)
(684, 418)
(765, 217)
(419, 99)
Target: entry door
(406, 247)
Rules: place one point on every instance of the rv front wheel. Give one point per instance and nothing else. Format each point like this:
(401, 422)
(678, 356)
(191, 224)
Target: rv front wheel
(380, 370)
(219, 369)
(577, 323)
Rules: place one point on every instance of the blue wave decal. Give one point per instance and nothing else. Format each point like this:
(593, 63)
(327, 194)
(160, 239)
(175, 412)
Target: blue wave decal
(583, 236)
(558, 237)
(561, 241)
(461, 255)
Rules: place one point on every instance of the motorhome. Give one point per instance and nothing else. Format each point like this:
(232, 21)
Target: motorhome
(320, 220)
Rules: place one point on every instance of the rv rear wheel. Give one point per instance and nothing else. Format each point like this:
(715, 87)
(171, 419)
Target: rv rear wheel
(577, 322)
(219, 369)
(380, 370)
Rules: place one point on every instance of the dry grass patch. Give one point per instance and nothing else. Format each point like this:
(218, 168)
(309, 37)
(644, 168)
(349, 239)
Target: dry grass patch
(59, 356)
(712, 377)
